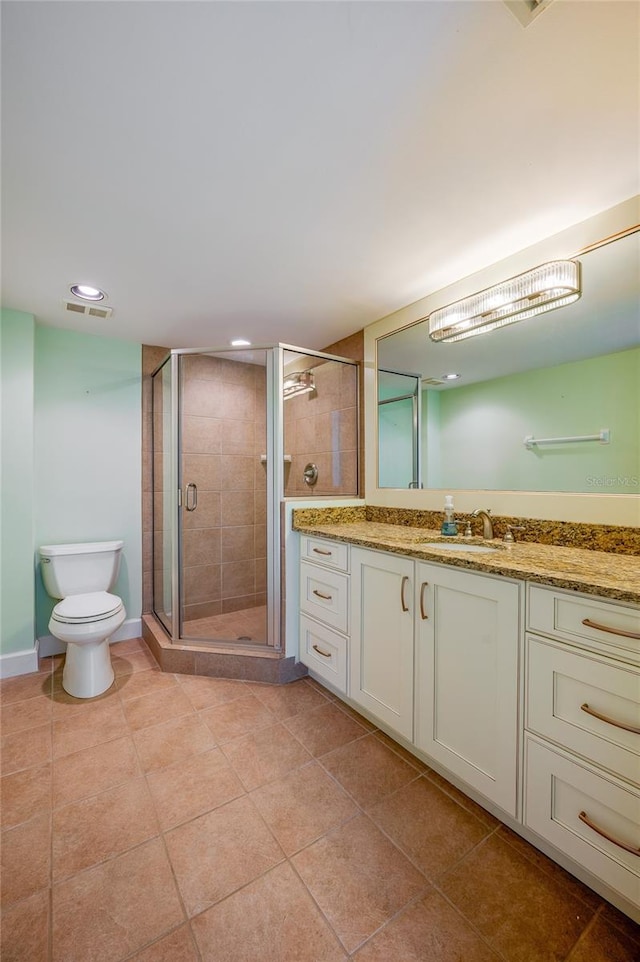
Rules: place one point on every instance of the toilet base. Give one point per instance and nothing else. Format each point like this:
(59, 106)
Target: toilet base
(87, 670)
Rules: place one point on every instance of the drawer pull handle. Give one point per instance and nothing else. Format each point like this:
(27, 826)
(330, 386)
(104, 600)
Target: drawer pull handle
(612, 631)
(320, 551)
(325, 654)
(423, 613)
(320, 595)
(403, 585)
(600, 831)
(609, 721)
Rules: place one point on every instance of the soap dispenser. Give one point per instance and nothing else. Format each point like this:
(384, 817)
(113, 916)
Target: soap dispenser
(449, 526)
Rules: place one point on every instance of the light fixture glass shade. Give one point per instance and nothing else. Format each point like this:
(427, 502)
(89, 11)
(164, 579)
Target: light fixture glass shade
(299, 382)
(87, 293)
(544, 288)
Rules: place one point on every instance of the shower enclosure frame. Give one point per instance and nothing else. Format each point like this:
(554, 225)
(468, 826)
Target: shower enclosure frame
(275, 484)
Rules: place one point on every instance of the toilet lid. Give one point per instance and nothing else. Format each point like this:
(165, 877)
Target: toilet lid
(87, 607)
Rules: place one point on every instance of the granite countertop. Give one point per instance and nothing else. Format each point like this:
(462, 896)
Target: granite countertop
(601, 573)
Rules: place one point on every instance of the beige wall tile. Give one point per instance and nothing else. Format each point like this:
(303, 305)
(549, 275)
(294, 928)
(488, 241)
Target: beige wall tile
(205, 470)
(236, 507)
(201, 435)
(201, 546)
(238, 437)
(236, 473)
(202, 398)
(201, 583)
(207, 514)
(238, 578)
(238, 402)
(237, 543)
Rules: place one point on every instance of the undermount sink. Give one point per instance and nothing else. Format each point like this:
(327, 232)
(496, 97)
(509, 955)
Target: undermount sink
(458, 546)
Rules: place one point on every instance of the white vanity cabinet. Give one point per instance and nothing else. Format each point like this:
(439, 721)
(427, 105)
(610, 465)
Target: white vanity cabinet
(582, 733)
(381, 660)
(467, 655)
(324, 609)
(546, 727)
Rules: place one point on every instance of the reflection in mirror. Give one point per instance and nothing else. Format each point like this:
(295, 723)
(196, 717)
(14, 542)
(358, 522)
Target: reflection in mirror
(399, 429)
(568, 374)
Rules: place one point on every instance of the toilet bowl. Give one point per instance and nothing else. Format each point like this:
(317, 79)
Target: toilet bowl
(86, 622)
(88, 615)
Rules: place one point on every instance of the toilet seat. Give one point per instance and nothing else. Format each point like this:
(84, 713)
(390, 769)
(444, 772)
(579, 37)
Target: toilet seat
(86, 608)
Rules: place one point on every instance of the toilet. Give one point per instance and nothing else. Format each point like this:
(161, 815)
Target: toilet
(86, 617)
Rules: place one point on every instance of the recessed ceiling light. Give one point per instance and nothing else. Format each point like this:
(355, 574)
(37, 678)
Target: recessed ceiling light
(240, 342)
(87, 293)
(450, 377)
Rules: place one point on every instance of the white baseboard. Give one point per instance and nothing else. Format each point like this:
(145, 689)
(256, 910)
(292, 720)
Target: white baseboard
(19, 662)
(132, 628)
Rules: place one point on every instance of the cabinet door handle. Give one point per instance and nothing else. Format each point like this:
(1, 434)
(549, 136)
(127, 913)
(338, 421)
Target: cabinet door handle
(405, 582)
(423, 614)
(612, 631)
(600, 831)
(609, 721)
(325, 654)
(320, 551)
(320, 595)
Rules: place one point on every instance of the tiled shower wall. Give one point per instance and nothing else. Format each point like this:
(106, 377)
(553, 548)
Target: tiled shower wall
(223, 436)
(321, 428)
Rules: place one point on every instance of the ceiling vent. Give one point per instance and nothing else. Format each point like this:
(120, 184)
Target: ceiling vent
(90, 310)
(431, 381)
(527, 10)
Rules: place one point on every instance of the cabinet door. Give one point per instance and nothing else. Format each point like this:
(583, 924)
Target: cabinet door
(381, 676)
(467, 677)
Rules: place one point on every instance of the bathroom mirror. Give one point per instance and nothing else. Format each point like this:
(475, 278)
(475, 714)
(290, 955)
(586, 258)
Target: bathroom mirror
(559, 378)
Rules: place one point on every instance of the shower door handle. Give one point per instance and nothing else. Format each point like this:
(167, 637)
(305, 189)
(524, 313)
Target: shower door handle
(191, 496)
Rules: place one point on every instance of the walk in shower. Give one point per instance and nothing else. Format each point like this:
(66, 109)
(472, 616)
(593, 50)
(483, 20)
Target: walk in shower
(233, 434)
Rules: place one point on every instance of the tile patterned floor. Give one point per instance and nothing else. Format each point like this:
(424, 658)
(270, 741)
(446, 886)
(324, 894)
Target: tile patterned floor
(248, 625)
(187, 819)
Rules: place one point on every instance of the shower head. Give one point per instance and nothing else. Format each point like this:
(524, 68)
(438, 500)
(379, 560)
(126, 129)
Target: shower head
(299, 382)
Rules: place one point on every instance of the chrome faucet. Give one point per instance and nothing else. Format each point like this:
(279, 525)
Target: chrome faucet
(487, 522)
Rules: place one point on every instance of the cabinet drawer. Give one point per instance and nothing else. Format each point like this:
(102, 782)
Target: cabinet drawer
(558, 789)
(324, 651)
(565, 686)
(333, 554)
(606, 626)
(324, 595)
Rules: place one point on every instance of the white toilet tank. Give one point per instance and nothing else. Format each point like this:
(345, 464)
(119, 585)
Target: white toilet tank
(74, 569)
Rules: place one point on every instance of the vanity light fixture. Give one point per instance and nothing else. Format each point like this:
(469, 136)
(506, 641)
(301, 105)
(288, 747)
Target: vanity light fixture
(240, 342)
(544, 288)
(299, 382)
(87, 293)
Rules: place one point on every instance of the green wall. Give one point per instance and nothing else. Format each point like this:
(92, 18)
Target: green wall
(17, 332)
(480, 429)
(88, 451)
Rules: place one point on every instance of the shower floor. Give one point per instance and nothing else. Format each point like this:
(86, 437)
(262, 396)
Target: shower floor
(248, 626)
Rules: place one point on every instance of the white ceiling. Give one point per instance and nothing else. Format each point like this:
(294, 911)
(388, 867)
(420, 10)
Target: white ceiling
(294, 171)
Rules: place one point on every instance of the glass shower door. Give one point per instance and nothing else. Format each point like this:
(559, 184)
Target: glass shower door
(164, 526)
(223, 480)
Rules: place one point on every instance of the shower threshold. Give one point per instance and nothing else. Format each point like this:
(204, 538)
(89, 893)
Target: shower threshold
(220, 659)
